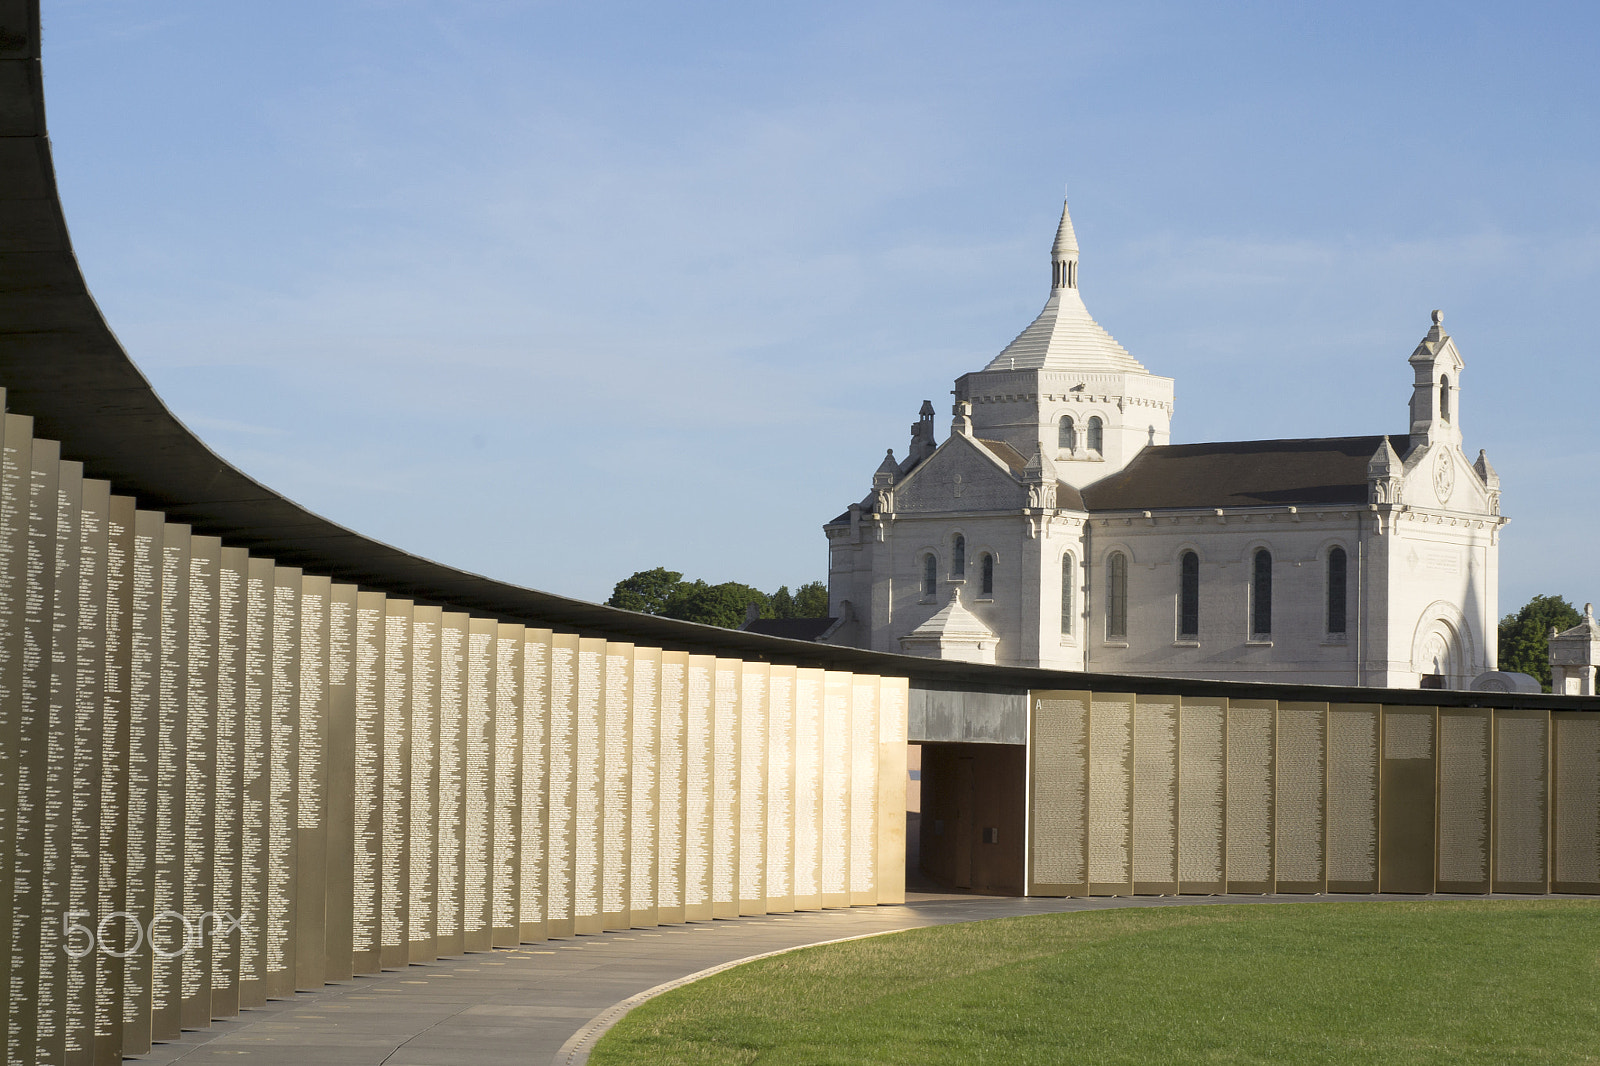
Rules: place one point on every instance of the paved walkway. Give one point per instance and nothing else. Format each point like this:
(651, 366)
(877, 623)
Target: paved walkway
(522, 1005)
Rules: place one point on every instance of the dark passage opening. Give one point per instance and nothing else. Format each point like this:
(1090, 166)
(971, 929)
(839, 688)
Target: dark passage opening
(968, 833)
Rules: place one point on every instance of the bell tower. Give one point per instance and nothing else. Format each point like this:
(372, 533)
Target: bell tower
(1436, 390)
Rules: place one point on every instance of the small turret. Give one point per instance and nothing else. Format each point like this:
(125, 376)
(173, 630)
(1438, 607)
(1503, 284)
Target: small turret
(961, 422)
(1385, 472)
(1491, 480)
(922, 442)
(1040, 478)
(1064, 254)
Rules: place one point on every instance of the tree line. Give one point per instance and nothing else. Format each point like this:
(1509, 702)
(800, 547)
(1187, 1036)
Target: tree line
(666, 593)
(1525, 636)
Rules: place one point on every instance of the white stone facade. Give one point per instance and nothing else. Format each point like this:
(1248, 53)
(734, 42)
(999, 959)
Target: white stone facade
(1057, 519)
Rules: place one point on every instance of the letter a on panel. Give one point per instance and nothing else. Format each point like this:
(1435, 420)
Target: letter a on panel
(1406, 821)
(1521, 801)
(1465, 769)
(1575, 796)
(1058, 793)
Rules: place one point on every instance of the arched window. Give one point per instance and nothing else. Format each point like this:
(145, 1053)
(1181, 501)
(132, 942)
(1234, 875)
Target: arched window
(1117, 597)
(1261, 601)
(1189, 596)
(1336, 591)
(1069, 434)
(930, 574)
(1097, 435)
(986, 585)
(1069, 589)
(1444, 398)
(958, 556)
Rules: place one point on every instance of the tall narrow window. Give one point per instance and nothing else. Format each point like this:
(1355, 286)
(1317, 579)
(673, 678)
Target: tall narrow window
(1068, 434)
(1444, 398)
(1097, 435)
(1261, 601)
(930, 574)
(986, 585)
(1069, 590)
(1336, 592)
(1117, 597)
(958, 557)
(1189, 596)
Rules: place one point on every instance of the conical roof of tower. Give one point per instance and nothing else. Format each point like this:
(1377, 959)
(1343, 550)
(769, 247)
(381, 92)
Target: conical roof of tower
(1064, 336)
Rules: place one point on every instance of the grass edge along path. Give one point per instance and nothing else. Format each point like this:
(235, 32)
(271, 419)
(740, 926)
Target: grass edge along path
(1457, 981)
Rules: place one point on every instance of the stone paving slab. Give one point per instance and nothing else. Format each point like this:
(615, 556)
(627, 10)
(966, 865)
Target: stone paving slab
(522, 1005)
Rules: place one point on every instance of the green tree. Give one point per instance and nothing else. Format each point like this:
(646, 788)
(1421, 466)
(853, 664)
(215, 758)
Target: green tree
(648, 591)
(811, 600)
(1525, 636)
(783, 603)
(716, 605)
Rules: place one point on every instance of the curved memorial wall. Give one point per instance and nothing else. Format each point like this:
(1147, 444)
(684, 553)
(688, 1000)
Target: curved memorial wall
(245, 751)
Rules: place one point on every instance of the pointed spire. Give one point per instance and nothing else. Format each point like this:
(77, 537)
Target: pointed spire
(1385, 462)
(1485, 471)
(887, 471)
(1064, 253)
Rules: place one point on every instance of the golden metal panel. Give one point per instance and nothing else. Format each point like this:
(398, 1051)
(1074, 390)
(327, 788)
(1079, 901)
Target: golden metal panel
(588, 787)
(395, 881)
(311, 801)
(1155, 795)
(1406, 820)
(366, 922)
(506, 833)
(1575, 802)
(863, 789)
(88, 699)
(644, 808)
(781, 790)
(339, 938)
(16, 474)
(835, 860)
(698, 757)
(1058, 793)
(1300, 819)
(422, 769)
(672, 789)
(450, 827)
(535, 781)
(893, 708)
(1202, 795)
(725, 789)
(1353, 797)
(477, 918)
(166, 936)
(255, 788)
(562, 811)
(1251, 792)
(616, 784)
(200, 772)
(1464, 799)
(1111, 794)
(116, 737)
(282, 815)
(754, 679)
(809, 690)
(1521, 809)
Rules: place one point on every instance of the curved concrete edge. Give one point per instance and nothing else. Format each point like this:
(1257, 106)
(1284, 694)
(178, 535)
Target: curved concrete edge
(575, 1052)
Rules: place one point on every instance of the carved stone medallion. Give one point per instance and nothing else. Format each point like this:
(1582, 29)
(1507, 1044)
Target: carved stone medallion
(1444, 477)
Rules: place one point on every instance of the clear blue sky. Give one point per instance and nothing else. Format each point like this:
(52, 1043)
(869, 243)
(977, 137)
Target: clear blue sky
(560, 291)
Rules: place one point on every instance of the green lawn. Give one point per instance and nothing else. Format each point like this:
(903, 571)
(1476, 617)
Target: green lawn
(1473, 981)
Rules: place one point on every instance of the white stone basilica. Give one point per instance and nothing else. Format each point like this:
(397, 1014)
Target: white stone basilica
(1056, 527)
